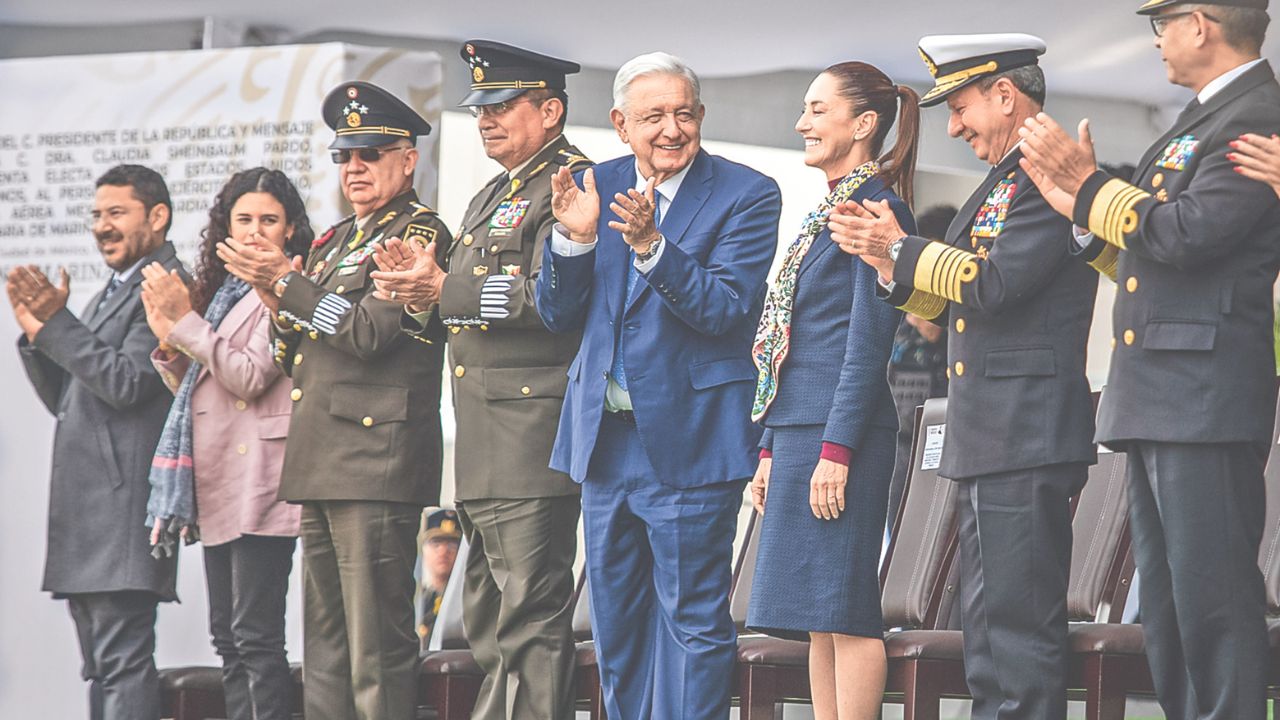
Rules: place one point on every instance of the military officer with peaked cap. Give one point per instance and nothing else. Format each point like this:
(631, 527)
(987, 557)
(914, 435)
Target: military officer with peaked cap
(1195, 248)
(364, 447)
(1017, 307)
(509, 377)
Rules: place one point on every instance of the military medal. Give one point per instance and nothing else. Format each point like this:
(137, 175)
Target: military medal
(509, 214)
(1178, 153)
(990, 218)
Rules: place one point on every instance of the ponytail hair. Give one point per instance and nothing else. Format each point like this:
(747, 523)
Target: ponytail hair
(868, 89)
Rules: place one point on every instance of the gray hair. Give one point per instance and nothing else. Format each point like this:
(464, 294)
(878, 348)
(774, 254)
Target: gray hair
(1244, 29)
(654, 63)
(1028, 79)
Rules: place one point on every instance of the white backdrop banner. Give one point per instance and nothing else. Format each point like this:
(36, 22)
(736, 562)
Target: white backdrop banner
(196, 117)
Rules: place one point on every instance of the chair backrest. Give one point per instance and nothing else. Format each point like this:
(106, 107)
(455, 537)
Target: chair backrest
(1100, 546)
(914, 578)
(447, 633)
(1269, 551)
(744, 572)
(581, 621)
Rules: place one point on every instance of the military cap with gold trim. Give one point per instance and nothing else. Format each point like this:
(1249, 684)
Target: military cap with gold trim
(501, 72)
(364, 115)
(955, 61)
(443, 524)
(1151, 7)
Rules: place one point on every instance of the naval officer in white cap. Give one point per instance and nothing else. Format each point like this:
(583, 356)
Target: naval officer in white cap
(1017, 306)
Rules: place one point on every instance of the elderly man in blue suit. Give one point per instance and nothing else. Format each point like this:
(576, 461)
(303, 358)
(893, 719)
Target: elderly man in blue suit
(660, 260)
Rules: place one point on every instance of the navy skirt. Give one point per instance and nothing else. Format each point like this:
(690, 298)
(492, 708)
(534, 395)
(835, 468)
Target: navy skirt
(815, 575)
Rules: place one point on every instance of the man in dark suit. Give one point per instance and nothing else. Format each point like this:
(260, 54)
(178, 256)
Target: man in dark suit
(1195, 247)
(94, 373)
(363, 454)
(657, 415)
(520, 517)
(1019, 420)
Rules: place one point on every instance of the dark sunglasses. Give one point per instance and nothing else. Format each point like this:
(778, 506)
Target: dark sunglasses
(369, 155)
(1159, 22)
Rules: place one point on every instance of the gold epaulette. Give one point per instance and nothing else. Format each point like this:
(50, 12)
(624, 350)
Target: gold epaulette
(1112, 214)
(1106, 261)
(924, 305)
(943, 270)
(572, 160)
(420, 209)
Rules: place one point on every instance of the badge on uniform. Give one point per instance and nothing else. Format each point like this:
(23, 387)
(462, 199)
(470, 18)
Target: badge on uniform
(511, 270)
(990, 218)
(424, 234)
(509, 214)
(351, 263)
(1178, 153)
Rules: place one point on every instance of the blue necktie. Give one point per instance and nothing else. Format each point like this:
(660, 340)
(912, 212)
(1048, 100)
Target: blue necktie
(619, 372)
(112, 285)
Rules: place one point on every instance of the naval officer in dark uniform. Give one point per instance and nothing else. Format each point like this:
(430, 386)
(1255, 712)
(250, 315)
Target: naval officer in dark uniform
(509, 377)
(1017, 306)
(364, 447)
(1194, 247)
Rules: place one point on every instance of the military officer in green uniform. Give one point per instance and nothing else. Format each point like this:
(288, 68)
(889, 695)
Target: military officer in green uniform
(509, 377)
(440, 541)
(364, 447)
(1195, 248)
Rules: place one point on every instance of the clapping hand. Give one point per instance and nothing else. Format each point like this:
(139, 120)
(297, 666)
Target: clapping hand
(41, 298)
(635, 211)
(866, 230)
(255, 261)
(165, 298)
(28, 322)
(577, 209)
(1258, 158)
(1057, 164)
(408, 274)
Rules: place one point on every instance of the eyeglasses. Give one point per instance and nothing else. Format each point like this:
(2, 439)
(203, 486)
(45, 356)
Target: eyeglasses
(1160, 22)
(495, 109)
(369, 155)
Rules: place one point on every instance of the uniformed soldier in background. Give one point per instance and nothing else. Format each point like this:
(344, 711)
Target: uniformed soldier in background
(1017, 306)
(364, 448)
(439, 545)
(1191, 392)
(509, 377)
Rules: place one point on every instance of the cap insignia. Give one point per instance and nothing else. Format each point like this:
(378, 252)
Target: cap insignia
(478, 74)
(928, 62)
(352, 93)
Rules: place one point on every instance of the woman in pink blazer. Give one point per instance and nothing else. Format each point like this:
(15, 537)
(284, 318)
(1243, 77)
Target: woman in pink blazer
(217, 470)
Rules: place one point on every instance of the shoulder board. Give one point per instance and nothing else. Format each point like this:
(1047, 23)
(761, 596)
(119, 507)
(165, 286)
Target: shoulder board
(571, 159)
(420, 209)
(532, 173)
(391, 215)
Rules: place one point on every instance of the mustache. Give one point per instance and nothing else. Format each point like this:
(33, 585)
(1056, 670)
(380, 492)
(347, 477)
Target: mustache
(109, 236)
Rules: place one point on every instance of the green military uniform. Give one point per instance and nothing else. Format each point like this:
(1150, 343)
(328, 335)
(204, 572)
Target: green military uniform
(509, 378)
(364, 448)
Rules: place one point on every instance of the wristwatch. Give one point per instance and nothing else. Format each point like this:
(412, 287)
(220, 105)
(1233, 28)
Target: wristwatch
(895, 248)
(653, 250)
(281, 284)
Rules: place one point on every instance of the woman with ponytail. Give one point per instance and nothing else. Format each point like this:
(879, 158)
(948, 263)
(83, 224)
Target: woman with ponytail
(821, 350)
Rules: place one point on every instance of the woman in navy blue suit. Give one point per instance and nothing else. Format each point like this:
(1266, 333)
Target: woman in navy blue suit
(828, 449)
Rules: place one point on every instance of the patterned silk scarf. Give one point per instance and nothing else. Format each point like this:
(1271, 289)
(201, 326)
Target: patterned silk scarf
(773, 338)
(173, 492)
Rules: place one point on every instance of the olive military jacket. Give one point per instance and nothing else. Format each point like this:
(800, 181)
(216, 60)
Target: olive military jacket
(366, 410)
(1195, 248)
(1017, 306)
(508, 370)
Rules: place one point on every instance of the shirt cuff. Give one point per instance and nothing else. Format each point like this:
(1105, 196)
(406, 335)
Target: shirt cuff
(422, 318)
(1082, 235)
(648, 265)
(561, 244)
(836, 453)
(765, 453)
(889, 287)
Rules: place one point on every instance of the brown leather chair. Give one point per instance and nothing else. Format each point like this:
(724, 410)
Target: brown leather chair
(586, 683)
(931, 662)
(913, 580)
(192, 693)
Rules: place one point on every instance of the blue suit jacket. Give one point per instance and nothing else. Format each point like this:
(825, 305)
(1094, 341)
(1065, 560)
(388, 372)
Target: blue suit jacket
(841, 337)
(688, 327)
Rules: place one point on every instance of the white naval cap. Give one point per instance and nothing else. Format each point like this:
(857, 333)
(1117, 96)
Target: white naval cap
(957, 60)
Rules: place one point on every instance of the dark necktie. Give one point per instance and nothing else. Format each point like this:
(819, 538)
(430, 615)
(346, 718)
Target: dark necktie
(112, 285)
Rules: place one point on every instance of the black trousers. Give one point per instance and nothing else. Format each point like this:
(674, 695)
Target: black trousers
(1197, 513)
(117, 633)
(247, 580)
(1015, 561)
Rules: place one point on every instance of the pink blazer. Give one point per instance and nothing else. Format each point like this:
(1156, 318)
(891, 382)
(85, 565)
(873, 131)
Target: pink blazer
(241, 412)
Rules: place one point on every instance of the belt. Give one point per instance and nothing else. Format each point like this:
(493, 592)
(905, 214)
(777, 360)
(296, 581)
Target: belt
(626, 416)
